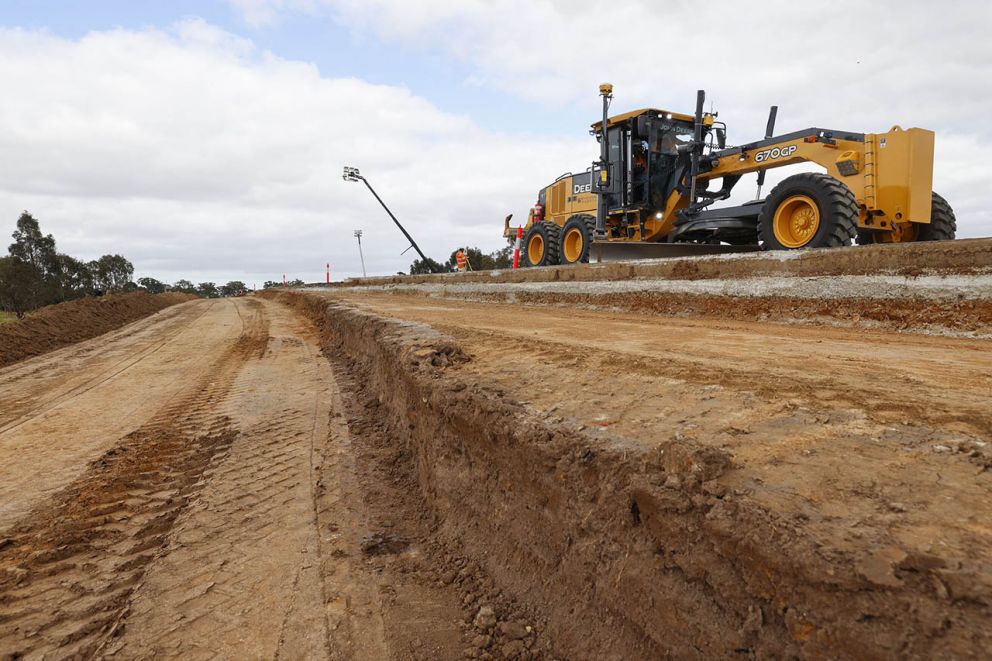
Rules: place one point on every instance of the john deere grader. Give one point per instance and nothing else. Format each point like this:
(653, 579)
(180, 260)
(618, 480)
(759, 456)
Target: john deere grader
(650, 192)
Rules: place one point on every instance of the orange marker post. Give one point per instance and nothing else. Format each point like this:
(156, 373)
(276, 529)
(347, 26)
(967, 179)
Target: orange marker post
(516, 247)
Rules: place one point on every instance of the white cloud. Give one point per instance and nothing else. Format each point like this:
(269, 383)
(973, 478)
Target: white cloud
(840, 64)
(196, 155)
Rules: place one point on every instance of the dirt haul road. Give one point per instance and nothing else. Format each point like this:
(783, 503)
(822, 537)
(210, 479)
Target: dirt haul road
(185, 487)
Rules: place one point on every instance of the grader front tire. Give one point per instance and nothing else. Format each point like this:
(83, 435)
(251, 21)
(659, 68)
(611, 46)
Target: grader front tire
(809, 210)
(942, 227)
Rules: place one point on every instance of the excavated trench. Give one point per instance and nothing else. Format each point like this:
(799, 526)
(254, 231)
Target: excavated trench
(627, 550)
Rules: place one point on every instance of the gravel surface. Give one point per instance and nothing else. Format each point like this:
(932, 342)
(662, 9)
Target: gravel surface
(930, 287)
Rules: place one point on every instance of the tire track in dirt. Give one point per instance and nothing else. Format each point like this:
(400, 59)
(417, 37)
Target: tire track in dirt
(37, 380)
(243, 571)
(237, 521)
(61, 398)
(68, 569)
(69, 322)
(276, 558)
(413, 609)
(354, 609)
(51, 450)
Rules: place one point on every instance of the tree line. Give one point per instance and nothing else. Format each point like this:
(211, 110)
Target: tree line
(34, 274)
(271, 284)
(204, 289)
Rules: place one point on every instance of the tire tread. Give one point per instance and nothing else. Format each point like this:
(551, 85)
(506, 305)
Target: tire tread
(840, 203)
(590, 225)
(552, 248)
(943, 224)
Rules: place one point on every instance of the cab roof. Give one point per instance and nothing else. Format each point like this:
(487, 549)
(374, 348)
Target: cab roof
(620, 119)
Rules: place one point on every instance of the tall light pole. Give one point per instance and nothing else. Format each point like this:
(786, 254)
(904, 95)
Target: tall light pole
(352, 174)
(358, 235)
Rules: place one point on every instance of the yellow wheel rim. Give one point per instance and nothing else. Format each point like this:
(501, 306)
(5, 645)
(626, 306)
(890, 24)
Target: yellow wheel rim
(535, 249)
(796, 221)
(901, 233)
(572, 244)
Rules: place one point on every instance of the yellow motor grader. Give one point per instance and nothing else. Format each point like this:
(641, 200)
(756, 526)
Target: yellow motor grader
(649, 194)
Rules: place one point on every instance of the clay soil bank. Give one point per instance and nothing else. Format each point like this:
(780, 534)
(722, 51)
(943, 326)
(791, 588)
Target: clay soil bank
(700, 486)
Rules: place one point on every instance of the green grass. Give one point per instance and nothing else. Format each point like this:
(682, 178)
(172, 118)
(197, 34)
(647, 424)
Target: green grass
(6, 316)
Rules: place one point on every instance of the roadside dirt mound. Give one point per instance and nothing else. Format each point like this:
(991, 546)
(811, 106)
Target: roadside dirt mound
(918, 315)
(639, 551)
(939, 316)
(74, 321)
(963, 257)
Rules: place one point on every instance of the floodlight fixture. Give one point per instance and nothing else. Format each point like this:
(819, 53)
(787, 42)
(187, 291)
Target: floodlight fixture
(352, 174)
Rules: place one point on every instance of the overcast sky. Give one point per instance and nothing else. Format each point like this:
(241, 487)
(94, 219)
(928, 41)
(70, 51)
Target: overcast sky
(206, 139)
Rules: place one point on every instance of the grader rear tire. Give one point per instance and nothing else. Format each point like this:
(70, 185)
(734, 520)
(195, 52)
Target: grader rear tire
(576, 236)
(809, 210)
(541, 245)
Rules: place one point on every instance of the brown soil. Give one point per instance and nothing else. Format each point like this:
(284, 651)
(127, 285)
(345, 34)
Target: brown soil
(752, 489)
(409, 477)
(897, 314)
(236, 494)
(74, 321)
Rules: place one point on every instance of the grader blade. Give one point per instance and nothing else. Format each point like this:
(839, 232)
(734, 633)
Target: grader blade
(616, 251)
